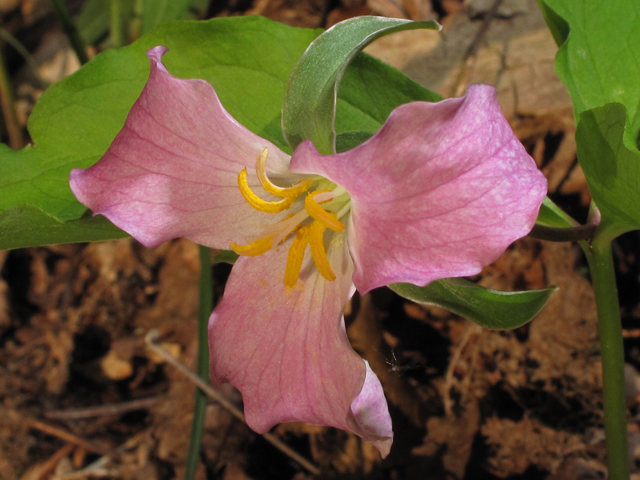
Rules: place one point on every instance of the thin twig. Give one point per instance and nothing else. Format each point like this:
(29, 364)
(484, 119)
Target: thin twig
(102, 410)
(84, 474)
(259, 7)
(64, 435)
(470, 56)
(70, 30)
(151, 338)
(50, 465)
(20, 48)
(99, 467)
(455, 358)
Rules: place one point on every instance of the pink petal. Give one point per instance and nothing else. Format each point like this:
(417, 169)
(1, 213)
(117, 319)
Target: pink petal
(440, 191)
(172, 171)
(286, 349)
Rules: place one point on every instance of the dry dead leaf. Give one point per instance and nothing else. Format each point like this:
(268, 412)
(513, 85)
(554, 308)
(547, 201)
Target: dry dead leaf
(114, 367)
(518, 445)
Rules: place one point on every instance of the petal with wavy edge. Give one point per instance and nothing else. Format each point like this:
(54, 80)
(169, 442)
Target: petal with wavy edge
(287, 352)
(440, 191)
(172, 170)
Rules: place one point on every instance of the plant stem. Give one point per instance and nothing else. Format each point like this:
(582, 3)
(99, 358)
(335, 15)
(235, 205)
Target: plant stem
(16, 138)
(600, 260)
(70, 30)
(202, 367)
(569, 234)
(118, 36)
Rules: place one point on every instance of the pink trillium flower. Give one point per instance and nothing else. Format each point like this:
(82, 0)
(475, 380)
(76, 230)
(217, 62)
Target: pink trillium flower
(440, 191)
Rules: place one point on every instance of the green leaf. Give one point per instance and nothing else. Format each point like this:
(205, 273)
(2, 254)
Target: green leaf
(28, 226)
(488, 308)
(384, 89)
(611, 162)
(310, 105)
(348, 140)
(557, 26)
(598, 62)
(247, 59)
(226, 256)
(550, 215)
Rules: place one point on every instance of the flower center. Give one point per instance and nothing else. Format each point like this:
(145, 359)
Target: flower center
(335, 201)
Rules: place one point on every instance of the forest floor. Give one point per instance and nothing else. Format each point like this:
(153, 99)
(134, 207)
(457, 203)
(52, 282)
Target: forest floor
(78, 383)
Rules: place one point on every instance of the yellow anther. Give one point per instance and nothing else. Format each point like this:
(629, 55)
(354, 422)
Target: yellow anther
(328, 219)
(296, 256)
(293, 191)
(255, 248)
(257, 202)
(318, 253)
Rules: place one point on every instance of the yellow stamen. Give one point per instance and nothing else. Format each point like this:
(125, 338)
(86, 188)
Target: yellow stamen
(296, 256)
(257, 202)
(328, 219)
(316, 245)
(293, 191)
(255, 248)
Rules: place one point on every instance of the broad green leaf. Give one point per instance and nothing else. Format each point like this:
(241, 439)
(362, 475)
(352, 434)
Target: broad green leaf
(611, 162)
(348, 140)
(599, 62)
(488, 308)
(28, 226)
(310, 105)
(558, 27)
(384, 89)
(247, 59)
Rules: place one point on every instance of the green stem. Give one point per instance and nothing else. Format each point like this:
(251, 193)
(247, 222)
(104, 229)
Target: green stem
(118, 36)
(70, 30)
(612, 350)
(202, 367)
(16, 138)
(570, 234)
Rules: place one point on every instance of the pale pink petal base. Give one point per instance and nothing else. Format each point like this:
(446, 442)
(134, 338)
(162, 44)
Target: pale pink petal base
(287, 352)
(440, 191)
(172, 171)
